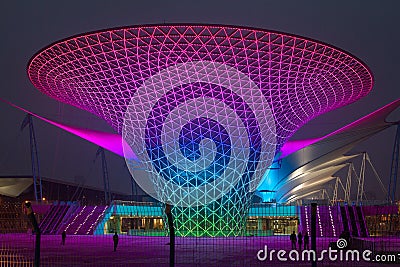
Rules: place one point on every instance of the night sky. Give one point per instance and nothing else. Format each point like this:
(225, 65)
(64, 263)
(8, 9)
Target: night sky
(367, 29)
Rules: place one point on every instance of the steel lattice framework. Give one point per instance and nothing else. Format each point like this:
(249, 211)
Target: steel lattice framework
(189, 99)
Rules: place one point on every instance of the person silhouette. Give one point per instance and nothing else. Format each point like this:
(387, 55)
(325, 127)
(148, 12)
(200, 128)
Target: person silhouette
(300, 239)
(306, 241)
(115, 239)
(293, 239)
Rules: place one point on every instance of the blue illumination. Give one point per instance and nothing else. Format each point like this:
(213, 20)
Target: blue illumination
(197, 130)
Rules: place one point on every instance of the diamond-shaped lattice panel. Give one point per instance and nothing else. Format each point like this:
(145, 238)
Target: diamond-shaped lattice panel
(199, 131)
(204, 107)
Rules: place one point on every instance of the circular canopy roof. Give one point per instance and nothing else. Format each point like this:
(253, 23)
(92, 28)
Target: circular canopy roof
(170, 90)
(101, 71)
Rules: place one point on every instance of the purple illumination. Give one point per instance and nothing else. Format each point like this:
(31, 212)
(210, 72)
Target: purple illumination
(100, 72)
(109, 141)
(374, 119)
(205, 108)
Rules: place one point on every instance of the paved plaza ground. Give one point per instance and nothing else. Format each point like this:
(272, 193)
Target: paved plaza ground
(18, 250)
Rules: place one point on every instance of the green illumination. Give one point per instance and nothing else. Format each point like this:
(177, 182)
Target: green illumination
(223, 217)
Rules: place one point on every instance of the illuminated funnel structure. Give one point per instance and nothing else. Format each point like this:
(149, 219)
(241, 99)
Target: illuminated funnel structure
(205, 108)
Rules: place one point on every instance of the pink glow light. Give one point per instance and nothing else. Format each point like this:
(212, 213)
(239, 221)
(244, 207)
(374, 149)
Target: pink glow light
(375, 119)
(100, 72)
(109, 141)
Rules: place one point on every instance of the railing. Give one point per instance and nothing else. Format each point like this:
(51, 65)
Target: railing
(92, 218)
(88, 219)
(319, 223)
(345, 218)
(305, 217)
(307, 220)
(59, 219)
(363, 226)
(354, 228)
(135, 203)
(71, 227)
(99, 218)
(47, 217)
(81, 219)
(332, 221)
(51, 218)
(328, 221)
(357, 220)
(69, 216)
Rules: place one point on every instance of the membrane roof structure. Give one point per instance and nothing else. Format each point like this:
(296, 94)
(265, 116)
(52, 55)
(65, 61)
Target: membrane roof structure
(167, 89)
